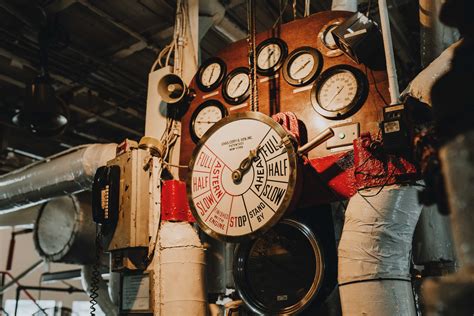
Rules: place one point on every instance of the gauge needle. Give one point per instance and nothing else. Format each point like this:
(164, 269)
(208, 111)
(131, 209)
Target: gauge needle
(212, 72)
(301, 68)
(236, 88)
(335, 95)
(270, 55)
(245, 165)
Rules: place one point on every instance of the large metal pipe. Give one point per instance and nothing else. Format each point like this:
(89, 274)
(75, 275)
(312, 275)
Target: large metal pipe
(374, 252)
(68, 172)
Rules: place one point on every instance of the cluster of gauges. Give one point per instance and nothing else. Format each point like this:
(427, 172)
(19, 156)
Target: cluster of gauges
(337, 92)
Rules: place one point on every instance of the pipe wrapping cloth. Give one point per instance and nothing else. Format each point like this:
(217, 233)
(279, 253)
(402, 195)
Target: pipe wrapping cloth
(174, 202)
(377, 236)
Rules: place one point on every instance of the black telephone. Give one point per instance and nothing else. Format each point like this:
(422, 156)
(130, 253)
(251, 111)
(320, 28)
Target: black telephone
(105, 195)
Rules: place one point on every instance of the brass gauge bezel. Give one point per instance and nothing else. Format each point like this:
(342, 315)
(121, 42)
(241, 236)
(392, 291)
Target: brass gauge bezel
(358, 100)
(284, 52)
(207, 63)
(294, 183)
(244, 289)
(315, 71)
(327, 49)
(201, 107)
(240, 99)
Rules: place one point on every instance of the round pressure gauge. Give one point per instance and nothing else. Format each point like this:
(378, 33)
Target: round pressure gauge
(302, 66)
(270, 56)
(243, 176)
(339, 91)
(206, 115)
(236, 86)
(210, 74)
(280, 272)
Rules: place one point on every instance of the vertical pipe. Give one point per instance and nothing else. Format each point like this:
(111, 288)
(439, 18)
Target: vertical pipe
(344, 5)
(182, 271)
(389, 56)
(374, 252)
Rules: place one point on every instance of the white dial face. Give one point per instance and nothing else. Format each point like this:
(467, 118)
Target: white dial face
(236, 207)
(204, 120)
(238, 85)
(269, 56)
(301, 66)
(210, 74)
(338, 91)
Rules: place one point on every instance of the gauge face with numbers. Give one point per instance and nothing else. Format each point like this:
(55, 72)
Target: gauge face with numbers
(235, 88)
(210, 74)
(243, 177)
(302, 66)
(205, 116)
(270, 56)
(339, 91)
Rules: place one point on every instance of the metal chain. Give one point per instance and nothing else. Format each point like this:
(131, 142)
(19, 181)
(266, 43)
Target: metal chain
(251, 7)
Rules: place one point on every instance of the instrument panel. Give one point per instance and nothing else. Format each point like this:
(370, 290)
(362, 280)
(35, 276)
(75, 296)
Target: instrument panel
(298, 71)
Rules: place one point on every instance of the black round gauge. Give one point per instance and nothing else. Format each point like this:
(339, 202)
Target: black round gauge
(270, 56)
(210, 74)
(302, 66)
(204, 117)
(339, 91)
(280, 272)
(236, 86)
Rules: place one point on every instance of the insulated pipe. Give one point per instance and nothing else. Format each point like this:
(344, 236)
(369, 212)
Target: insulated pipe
(389, 55)
(182, 268)
(68, 172)
(344, 5)
(374, 252)
(435, 37)
(103, 298)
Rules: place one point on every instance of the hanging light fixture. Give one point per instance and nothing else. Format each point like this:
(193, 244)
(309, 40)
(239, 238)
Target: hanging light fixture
(43, 113)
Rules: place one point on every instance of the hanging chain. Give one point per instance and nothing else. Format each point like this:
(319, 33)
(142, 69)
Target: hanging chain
(252, 55)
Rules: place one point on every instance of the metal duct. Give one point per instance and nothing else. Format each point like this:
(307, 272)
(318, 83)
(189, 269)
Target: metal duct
(374, 252)
(212, 14)
(68, 172)
(64, 228)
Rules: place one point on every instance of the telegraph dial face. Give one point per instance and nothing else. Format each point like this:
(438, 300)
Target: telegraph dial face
(243, 177)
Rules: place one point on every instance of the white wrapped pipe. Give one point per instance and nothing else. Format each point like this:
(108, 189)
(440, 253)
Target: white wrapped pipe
(375, 247)
(182, 271)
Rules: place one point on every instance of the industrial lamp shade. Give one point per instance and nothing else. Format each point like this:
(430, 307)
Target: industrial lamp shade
(43, 113)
